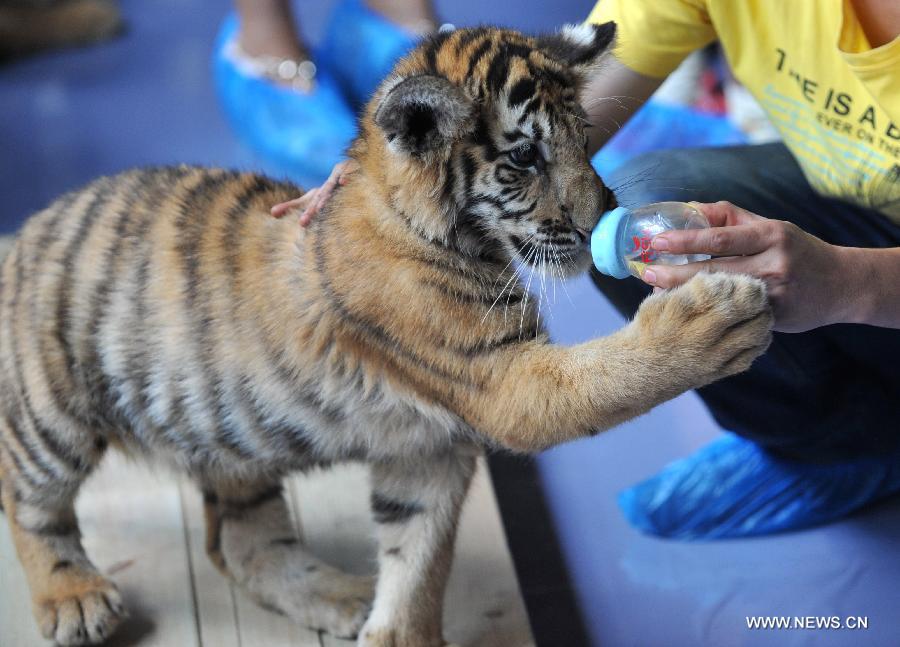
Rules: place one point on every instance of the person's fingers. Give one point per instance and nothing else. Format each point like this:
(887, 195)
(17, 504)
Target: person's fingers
(323, 193)
(315, 199)
(347, 168)
(323, 196)
(670, 276)
(724, 214)
(309, 213)
(282, 208)
(337, 171)
(736, 240)
(309, 206)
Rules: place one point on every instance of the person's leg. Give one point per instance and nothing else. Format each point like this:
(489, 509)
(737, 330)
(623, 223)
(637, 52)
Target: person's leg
(415, 15)
(286, 109)
(365, 38)
(818, 397)
(268, 28)
(289, 104)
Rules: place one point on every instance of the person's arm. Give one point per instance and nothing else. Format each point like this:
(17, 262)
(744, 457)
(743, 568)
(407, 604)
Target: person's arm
(876, 301)
(810, 282)
(652, 38)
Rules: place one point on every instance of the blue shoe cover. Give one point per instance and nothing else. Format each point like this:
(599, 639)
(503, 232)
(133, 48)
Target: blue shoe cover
(734, 488)
(303, 135)
(360, 48)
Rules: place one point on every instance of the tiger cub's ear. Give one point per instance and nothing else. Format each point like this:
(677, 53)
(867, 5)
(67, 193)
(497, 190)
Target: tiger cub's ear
(424, 113)
(579, 46)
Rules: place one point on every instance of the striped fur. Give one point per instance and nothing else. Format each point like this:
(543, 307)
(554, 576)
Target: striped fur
(163, 312)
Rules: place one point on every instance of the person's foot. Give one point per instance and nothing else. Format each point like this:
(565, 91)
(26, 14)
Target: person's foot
(284, 108)
(269, 43)
(296, 72)
(361, 47)
(734, 488)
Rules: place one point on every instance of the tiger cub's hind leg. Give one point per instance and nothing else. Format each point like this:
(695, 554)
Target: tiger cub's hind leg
(250, 539)
(416, 504)
(72, 602)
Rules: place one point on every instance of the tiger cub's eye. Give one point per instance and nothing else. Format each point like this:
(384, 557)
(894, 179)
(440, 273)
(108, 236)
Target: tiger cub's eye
(525, 155)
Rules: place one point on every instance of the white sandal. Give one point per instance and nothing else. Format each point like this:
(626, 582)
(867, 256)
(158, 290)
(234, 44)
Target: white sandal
(299, 75)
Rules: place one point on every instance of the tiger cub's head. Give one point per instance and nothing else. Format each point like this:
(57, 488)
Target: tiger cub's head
(480, 138)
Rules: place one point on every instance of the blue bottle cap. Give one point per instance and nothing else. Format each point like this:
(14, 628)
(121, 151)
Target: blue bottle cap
(604, 243)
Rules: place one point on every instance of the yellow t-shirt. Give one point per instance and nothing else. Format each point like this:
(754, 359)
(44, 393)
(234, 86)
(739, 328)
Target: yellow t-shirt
(834, 99)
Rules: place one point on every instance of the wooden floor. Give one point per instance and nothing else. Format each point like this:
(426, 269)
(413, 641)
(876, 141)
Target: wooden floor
(145, 530)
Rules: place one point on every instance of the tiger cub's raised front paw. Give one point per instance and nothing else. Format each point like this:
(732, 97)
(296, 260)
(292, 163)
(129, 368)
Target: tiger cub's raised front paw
(711, 327)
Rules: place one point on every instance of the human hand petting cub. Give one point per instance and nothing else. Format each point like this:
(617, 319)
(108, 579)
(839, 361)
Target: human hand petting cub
(809, 282)
(313, 200)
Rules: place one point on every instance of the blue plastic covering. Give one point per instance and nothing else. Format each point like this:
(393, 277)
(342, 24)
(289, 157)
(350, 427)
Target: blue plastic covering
(360, 49)
(734, 488)
(303, 135)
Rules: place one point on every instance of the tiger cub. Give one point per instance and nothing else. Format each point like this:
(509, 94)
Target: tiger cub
(164, 312)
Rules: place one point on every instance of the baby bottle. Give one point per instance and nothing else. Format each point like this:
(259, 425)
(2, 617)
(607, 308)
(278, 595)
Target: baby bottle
(620, 243)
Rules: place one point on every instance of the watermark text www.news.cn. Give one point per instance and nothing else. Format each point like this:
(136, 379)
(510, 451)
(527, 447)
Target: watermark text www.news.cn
(807, 622)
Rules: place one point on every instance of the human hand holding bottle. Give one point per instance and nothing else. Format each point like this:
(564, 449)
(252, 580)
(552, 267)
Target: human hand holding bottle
(621, 241)
(810, 283)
